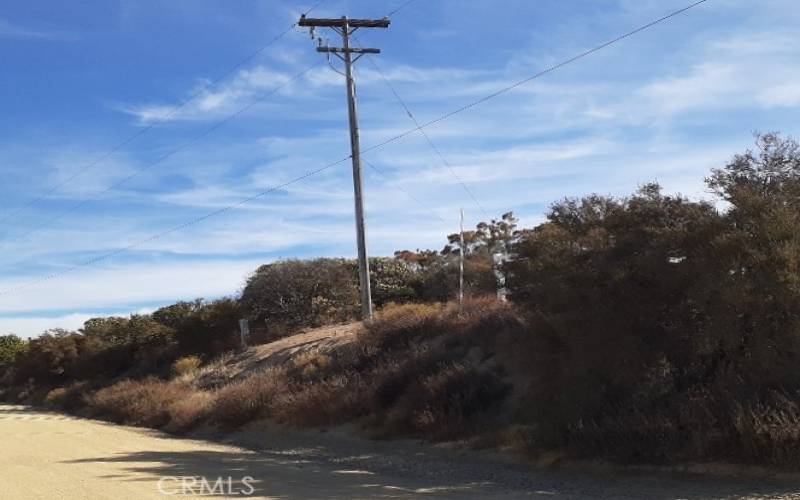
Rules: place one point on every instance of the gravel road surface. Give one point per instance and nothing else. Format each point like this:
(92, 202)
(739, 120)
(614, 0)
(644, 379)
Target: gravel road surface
(52, 456)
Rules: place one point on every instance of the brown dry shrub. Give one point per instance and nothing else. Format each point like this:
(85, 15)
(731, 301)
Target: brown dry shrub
(332, 401)
(186, 414)
(449, 402)
(55, 398)
(769, 431)
(481, 322)
(449, 399)
(145, 402)
(433, 369)
(396, 325)
(311, 364)
(625, 435)
(187, 365)
(69, 398)
(249, 399)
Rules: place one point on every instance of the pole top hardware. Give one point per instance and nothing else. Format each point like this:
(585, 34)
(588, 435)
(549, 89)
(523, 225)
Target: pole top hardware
(340, 23)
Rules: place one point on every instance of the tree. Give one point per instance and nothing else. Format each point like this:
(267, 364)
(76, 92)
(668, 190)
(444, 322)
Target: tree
(113, 330)
(488, 238)
(11, 347)
(291, 294)
(419, 260)
(179, 316)
(608, 285)
(761, 253)
(50, 359)
(771, 173)
(392, 280)
(204, 328)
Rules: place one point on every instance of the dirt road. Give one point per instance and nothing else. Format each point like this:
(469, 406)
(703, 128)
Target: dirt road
(52, 456)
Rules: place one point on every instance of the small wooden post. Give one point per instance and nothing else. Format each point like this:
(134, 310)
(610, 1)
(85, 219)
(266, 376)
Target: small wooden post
(244, 331)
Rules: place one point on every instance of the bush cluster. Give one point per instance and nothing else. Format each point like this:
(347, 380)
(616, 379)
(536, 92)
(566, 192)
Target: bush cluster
(667, 328)
(107, 348)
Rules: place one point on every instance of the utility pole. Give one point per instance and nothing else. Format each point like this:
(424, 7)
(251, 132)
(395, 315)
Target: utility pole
(346, 27)
(461, 265)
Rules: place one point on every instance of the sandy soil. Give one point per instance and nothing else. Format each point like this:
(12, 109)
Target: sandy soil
(323, 338)
(275, 353)
(53, 456)
(281, 351)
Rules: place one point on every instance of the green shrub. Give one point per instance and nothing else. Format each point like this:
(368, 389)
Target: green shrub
(11, 347)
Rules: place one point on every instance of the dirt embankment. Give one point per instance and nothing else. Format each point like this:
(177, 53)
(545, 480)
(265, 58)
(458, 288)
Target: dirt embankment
(322, 339)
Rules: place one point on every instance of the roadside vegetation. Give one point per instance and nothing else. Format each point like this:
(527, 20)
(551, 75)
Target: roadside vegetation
(650, 328)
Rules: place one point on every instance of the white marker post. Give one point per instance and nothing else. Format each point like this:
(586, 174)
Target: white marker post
(244, 331)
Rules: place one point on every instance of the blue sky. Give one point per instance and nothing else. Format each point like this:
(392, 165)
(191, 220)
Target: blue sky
(80, 77)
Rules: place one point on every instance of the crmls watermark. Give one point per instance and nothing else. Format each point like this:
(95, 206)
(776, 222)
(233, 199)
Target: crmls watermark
(203, 486)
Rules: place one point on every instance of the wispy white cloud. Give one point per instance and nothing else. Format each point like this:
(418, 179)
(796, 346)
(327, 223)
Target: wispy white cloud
(205, 102)
(119, 284)
(781, 96)
(726, 74)
(15, 31)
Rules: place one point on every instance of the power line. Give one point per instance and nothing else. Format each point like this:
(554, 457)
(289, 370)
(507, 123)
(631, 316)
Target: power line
(540, 74)
(151, 125)
(193, 222)
(330, 165)
(428, 138)
(504, 90)
(166, 156)
(401, 7)
(407, 193)
(150, 239)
